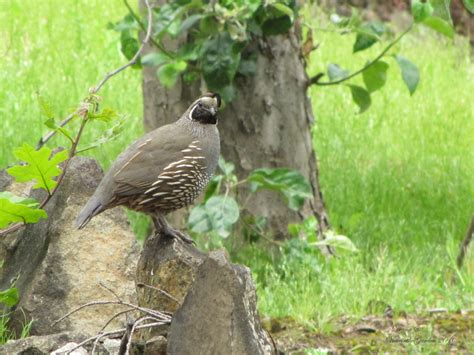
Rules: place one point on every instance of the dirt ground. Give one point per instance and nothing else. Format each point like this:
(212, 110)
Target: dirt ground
(434, 331)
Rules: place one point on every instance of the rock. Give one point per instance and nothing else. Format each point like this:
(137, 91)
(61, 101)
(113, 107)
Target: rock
(59, 268)
(112, 346)
(168, 265)
(156, 346)
(39, 345)
(68, 347)
(219, 314)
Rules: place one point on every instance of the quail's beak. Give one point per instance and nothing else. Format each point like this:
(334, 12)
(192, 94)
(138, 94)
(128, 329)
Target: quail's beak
(213, 111)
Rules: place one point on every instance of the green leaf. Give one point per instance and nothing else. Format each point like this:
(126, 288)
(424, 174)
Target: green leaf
(155, 58)
(106, 115)
(335, 72)
(189, 22)
(368, 34)
(218, 214)
(441, 10)
(129, 45)
(284, 10)
(337, 241)
(16, 209)
(421, 10)
(469, 4)
(9, 297)
(375, 76)
(209, 26)
(219, 61)
(109, 135)
(290, 183)
(213, 187)
(440, 25)
(361, 97)
(227, 168)
(169, 73)
(410, 73)
(51, 123)
(39, 166)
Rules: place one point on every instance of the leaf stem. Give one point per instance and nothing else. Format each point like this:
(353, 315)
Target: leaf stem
(315, 80)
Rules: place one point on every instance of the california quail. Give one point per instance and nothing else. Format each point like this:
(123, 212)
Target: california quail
(164, 170)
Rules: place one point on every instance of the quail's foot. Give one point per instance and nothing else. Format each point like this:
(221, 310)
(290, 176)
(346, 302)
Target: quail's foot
(174, 233)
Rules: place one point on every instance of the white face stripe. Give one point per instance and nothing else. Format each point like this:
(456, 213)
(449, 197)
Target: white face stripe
(190, 116)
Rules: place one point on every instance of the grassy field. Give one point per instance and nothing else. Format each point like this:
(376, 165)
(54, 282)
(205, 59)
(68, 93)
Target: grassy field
(397, 179)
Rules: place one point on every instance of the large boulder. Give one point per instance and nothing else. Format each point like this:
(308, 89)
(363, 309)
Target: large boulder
(219, 314)
(58, 268)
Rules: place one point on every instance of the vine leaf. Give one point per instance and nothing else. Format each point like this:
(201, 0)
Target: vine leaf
(169, 73)
(410, 73)
(218, 214)
(361, 97)
(290, 183)
(38, 166)
(375, 76)
(16, 209)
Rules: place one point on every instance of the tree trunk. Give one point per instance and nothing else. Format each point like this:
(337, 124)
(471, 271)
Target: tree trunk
(268, 124)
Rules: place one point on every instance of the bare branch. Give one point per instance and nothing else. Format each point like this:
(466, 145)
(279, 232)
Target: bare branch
(163, 292)
(110, 290)
(135, 325)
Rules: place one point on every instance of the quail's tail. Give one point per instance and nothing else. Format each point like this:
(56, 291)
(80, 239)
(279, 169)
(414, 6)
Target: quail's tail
(92, 208)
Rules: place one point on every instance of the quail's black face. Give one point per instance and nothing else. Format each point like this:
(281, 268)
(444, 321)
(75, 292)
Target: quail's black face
(204, 110)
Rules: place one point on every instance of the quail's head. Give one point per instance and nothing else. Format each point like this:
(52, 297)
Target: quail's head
(204, 109)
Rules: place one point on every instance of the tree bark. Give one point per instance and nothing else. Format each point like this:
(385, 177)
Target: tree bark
(268, 124)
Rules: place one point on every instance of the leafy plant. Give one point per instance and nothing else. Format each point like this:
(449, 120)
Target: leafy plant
(220, 210)
(218, 35)
(432, 13)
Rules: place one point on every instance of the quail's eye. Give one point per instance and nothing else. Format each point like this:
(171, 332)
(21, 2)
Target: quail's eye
(199, 104)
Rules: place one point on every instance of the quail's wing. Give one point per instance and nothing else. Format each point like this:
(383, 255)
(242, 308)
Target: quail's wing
(140, 166)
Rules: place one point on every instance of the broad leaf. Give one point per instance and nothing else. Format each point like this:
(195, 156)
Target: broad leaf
(189, 22)
(469, 4)
(410, 73)
(227, 168)
(106, 115)
(368, 34)
(375, 76)
(169, 73)
(219, 61)
(335, 72)
(129, 45)
(51, 124)
(290, 183)
(284, 10)
(440, 25)
(9, 297)
(16, 209)
(361, 97)
(441, 10)
(218, 215)
(337, 241)
(155, 58)
(421, 10)
(38, 166)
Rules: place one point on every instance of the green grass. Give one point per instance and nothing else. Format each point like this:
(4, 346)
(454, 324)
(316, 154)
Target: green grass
(397, 179)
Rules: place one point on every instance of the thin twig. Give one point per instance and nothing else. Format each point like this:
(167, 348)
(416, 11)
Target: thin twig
(118, 314)
(99, 86)
(72, 151)
(151, 312)
(315, 80)
(135, 325)
(110, 290)
(465, 243)
(116, 332)
(142, 26)
(163, 292)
